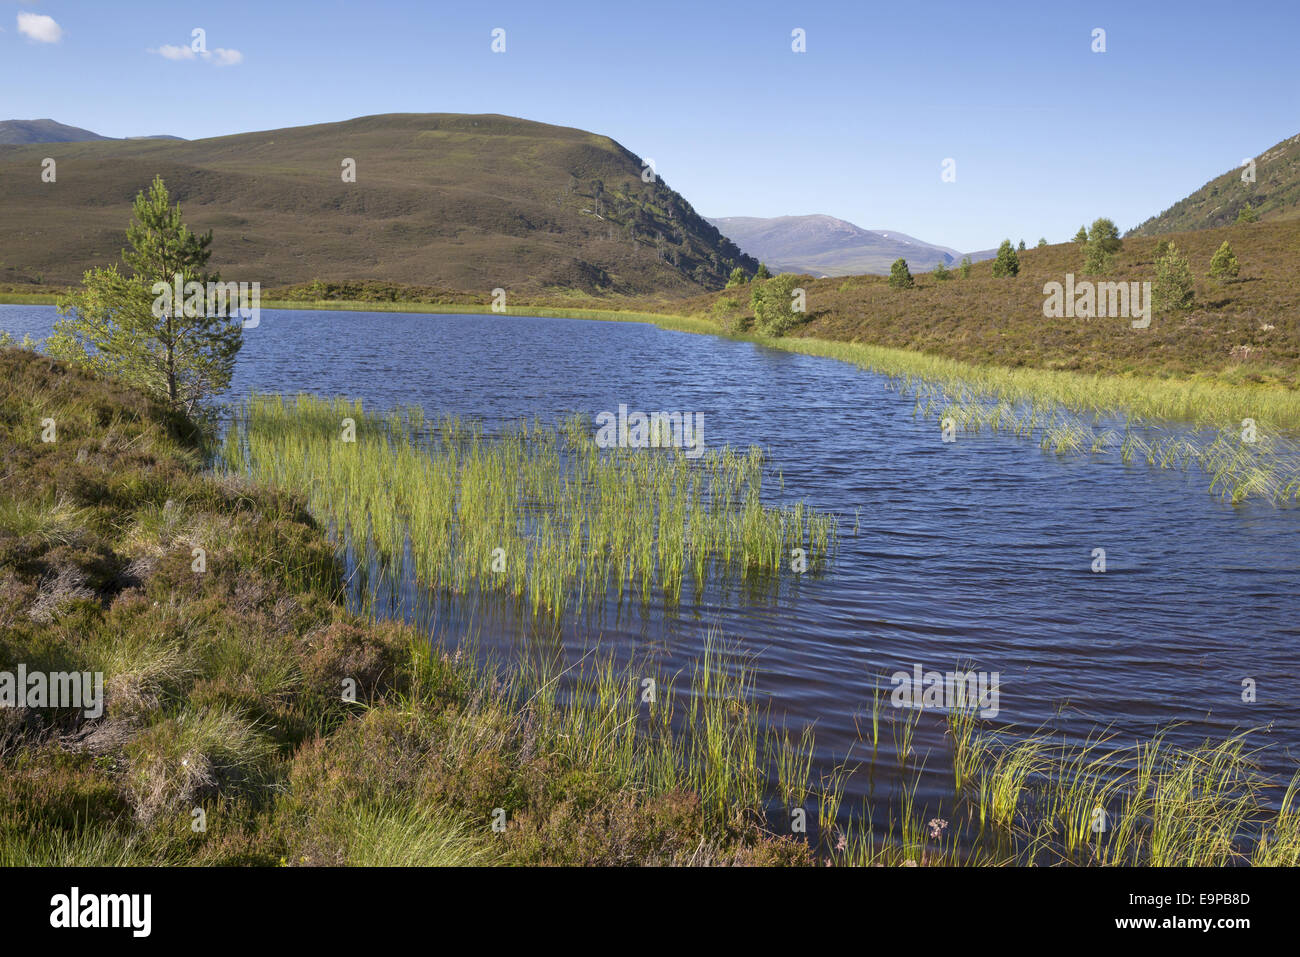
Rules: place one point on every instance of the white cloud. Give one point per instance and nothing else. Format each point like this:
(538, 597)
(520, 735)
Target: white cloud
(174, 53)
(39, 27)
(218, 57)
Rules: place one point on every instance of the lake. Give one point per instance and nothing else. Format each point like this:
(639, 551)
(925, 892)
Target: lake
(976, 553)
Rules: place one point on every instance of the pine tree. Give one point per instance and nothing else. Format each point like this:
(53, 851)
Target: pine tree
(762, 272)
(1006, 263)
(1042, 242)
(115, 324)
(1247, 214)
(1172, 289)
(1224, 265)
(1081, 236)
(941, 271)
(737, 278)
(965, 267)
(1103, 242)
(1021, 247)
(900, 277)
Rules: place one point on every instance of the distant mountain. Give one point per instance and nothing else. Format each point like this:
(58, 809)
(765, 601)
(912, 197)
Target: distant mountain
(22, 132)
(1275, 194)
(826, 246)
(14, 132)
(446, 200)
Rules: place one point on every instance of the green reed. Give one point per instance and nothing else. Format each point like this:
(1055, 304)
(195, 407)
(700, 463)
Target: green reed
(538, 513)
(1243, 460)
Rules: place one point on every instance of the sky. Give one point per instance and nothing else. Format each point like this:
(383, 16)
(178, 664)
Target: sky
(1044, 133)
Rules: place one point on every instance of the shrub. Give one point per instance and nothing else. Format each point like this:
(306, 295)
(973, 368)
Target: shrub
(773, 306)
(941, 271)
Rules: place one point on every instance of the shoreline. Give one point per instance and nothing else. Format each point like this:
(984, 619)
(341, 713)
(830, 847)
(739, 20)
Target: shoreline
(430, 759)
(1202, 401)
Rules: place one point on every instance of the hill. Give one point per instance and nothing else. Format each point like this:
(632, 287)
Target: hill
(1274, 195)
(1245, 331)
(16, 132)
(449, 200)
(823, 245)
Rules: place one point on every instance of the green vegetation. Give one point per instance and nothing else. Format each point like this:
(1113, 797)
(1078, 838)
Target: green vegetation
(773, 303)
(225, 694)
(900, 277)
(1224, 266)
(965, 267)
(1102, 244)
(542, 515)
(182, 353)
(1172, 290)
(941, 272)
(1006, 263)
(1247, 214)
(225, 688)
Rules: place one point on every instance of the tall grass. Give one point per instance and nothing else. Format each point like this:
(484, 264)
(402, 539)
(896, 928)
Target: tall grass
(538, 513)
(1239, 462)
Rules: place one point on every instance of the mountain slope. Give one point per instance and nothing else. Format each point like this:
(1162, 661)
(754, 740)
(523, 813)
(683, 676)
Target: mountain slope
(1274, 195)
(824, 245)
(459, 201)
(15, 132)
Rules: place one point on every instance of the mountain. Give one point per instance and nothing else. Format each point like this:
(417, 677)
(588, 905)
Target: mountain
(1274, 195)
(14, 132)
(470, 202)
(826, 246)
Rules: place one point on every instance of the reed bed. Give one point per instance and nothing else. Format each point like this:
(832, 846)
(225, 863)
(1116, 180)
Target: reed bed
(537, 513)
(1255, 462)
(1199, 402)
(1019, 798)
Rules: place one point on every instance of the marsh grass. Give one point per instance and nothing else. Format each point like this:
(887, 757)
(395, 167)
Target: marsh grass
(538, 513)
(1265, 466)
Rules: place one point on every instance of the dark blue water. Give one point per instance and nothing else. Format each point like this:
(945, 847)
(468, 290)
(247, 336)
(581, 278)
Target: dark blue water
(977, 552)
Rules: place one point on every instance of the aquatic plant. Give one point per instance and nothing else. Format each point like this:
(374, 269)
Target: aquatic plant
(537, 513)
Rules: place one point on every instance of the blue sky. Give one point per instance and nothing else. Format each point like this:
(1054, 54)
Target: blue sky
(1046, 134)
